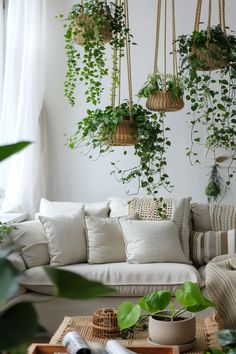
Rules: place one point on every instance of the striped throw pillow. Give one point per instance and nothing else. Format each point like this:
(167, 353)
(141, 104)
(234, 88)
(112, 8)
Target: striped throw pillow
(207, 245)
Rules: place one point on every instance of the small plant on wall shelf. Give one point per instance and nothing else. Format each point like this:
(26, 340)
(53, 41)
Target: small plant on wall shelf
(96, 131)
(88, 27)
(212, 97)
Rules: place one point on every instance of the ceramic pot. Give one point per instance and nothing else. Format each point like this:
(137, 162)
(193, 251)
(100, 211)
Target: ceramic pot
(173, 332)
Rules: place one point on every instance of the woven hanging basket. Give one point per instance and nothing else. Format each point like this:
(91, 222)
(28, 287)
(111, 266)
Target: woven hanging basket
(105, 323)
(209, 63)
(125, 134)
(164, 101)
(79, 31)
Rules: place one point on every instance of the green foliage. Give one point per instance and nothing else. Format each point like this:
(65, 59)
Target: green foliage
(9, 279)
(189, 296)
(88, 63)
(211, 94)
(214, 187)
(94, 131)
(18, 324)
(155, 83)
(227, 339)
(8, 150)
(5, 230)
(74, 286)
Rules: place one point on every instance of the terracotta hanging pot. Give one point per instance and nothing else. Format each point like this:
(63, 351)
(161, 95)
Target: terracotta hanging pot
(125, 134)
(207, 62)
(164, 101)
(78, 29)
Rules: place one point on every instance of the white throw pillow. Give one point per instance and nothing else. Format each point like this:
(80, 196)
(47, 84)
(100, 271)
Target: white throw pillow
(66, 238)
(104, 239)
(27, 234)
(180, 214)
(152, 241)
(48, 208)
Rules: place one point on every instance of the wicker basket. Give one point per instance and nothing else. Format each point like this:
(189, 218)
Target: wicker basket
(105, 323)
(209, 63)
(164, 101)
(79, 39)
(125, 134)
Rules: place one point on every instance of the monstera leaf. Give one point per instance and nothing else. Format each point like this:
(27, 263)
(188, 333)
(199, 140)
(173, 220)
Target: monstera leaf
(156, 301)
(128, 314)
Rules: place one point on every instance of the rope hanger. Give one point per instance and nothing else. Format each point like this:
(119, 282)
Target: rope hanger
(221, 7)
(157, 43)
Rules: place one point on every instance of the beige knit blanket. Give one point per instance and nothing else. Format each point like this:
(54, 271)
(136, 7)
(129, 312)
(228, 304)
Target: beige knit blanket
(221, 288)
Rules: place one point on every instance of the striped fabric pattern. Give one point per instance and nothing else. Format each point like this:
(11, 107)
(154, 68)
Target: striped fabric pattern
(207, 245)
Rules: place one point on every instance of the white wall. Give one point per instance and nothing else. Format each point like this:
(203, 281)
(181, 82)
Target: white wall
(73, 177)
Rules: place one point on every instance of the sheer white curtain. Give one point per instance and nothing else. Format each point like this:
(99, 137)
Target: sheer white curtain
(23, 92)
(1, 49)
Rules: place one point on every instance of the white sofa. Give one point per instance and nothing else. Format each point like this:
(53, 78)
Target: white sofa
(129, 280)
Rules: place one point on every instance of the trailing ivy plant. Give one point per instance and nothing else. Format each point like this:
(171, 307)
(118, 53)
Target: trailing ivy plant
(212, 94)
(155, 83)
(87, 63)
(96, 130)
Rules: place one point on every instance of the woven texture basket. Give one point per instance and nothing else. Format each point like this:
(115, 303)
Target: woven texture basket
(79, 39)
(105, 323)
(124, 135)
(209, 63)
(163, 101)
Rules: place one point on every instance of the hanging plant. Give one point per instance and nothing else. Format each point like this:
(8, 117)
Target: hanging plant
(91, 24)
(214, 186)
(96, 130)
(212, 94)
(154, 90)
(163, 91)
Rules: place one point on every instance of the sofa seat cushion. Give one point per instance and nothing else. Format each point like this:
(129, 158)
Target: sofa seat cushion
(127, 279)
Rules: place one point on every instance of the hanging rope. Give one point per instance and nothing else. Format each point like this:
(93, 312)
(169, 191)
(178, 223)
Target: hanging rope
(221, 5)
(209, 15)
(155, 69)
(165, 20)
(175, 69)
(128, 58)
(198, 15)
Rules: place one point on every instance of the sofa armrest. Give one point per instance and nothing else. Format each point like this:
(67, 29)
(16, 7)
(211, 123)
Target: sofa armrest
(17, 261)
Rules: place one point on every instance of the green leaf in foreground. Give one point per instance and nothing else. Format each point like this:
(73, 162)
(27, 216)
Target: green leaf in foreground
(74, 286)
(11, 149)
(18, 325)
(9, 279)
(227, 337)
(128, 314)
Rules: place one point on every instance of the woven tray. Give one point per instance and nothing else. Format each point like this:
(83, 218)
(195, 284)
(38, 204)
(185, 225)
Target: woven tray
(206, 333)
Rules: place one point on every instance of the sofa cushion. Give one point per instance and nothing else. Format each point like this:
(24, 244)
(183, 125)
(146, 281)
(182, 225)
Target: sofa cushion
(66, 238)
(49, 208)
(127, 279)
(27, 234)
(105, 242)
(152, 241)
(207, 245)
(200, 217)
(180, 214)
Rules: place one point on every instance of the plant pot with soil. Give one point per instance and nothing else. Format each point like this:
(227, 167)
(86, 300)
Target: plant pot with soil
(167, 325)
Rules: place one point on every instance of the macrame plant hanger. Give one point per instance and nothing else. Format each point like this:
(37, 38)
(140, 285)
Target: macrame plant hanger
(208, 62)
(163, 100)
(125, 133)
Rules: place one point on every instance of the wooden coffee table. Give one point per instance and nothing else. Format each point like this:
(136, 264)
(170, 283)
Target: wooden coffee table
(205, 336)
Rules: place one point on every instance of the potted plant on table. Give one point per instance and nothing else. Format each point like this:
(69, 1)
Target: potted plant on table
(167, 324)
(163, 95)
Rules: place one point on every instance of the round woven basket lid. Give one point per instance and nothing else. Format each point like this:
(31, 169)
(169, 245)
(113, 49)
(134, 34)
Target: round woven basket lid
(125, 134)
(164, 101)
